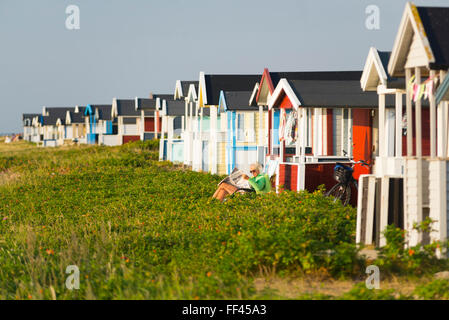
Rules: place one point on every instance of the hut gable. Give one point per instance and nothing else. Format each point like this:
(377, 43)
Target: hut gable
(421, 41)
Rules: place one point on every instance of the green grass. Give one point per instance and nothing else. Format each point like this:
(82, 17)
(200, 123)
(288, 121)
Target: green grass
(142, 229)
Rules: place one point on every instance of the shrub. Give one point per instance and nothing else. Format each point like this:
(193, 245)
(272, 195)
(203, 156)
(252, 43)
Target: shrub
(7, 162)
(149, 145)
(127, 220)
(437, 289)
(139, 228)
(396, 258)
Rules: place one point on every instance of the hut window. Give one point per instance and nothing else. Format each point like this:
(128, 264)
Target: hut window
(309, 128)
(177, 126)
(250, 134)
(177, 123)
(129, 120)
(290, 143)
(240, 127)
(347, 132)
(275, 133)
(337, 131)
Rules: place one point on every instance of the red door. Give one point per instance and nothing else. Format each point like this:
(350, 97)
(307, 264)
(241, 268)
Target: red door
(149, 124)
(127, 139)
(362, 137)
(425, 131)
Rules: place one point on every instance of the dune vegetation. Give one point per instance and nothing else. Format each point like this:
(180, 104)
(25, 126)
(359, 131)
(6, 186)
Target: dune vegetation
(137, 228)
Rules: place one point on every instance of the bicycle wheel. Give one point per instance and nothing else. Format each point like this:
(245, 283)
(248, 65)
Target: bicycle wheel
(346, 196)
(341, 192)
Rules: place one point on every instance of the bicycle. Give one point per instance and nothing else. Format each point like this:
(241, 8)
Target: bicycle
(343, 175)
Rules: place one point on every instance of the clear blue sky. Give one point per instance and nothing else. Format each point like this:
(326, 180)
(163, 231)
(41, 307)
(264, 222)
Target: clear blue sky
(128, 48)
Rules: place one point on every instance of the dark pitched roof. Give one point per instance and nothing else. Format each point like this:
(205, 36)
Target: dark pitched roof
(175, 107)
(127, 108)
(29, 116)
(48, 120)
(185, 85)
(336, 93)
(384, 58)
(229, 82)
(104, 111)
(77, 117)
(238, 100)
(315, 75)
(59, 112)
(81, 109)
(55, 113)
(436, 24)
(392, 82)
(146, 104)
(162, 96)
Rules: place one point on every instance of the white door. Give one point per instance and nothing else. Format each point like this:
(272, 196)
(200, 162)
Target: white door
(130, 130)
(69, 132)
(205, 160)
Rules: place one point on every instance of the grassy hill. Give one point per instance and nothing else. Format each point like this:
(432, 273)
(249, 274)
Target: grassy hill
(138, 228)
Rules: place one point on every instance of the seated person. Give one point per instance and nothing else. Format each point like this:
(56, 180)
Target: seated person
(259, 183)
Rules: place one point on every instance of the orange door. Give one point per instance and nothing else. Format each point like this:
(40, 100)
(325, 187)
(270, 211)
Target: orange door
(362, 137)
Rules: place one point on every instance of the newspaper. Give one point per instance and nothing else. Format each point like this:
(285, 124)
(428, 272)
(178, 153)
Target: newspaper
(236, 179)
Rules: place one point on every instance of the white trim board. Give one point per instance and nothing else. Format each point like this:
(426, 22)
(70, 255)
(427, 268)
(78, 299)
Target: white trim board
(284, 86)
(373, 72)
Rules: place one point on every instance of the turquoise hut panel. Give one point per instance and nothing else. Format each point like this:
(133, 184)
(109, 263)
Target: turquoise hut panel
(178, 152)
(276, 122)
(206, 123)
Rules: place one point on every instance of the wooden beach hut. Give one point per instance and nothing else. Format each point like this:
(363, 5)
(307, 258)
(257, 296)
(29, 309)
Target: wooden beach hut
(188, 92)
(171, 145)
(420, 56)
(28, 128)
(49, 131)
(37, 136)
(75, 125)
(265, 89)
(150, 118)
(53, 125)
(245, 127)
(210, 143)
(315, 123)
(101, 127)
(388, 168)
(128, 121)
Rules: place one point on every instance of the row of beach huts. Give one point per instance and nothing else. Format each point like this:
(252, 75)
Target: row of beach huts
(393, 114)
